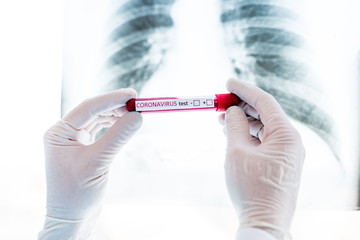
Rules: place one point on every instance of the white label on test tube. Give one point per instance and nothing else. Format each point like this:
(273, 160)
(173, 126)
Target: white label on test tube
(175, 104)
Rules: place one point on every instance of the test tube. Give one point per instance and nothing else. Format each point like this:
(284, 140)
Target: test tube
(217, 102)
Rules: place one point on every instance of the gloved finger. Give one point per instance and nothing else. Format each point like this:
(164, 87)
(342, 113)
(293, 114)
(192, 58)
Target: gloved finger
(87, 135)
(221, 119)
(118, 112)
(236, 126)
(255, 141)
(249, 110)
(90, 126)
(256, 128)
(264, 103)
(120, 133)
(87, 111)
(100, 119)
(104, 122)
(106, 119)
(97, 125)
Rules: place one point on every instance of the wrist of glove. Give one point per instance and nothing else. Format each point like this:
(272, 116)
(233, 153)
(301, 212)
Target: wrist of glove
(253, 234)
(58, 228)
(262, 173)
(77, 165)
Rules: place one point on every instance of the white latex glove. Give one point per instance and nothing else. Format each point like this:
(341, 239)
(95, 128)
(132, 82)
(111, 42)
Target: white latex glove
(77, 167)
(262, 173)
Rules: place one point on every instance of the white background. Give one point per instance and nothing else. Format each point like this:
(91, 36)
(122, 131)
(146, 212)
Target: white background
(31, 71)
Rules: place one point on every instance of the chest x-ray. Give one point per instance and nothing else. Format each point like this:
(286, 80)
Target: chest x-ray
(295, 50)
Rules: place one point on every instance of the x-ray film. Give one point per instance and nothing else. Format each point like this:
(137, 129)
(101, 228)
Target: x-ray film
(182, 48)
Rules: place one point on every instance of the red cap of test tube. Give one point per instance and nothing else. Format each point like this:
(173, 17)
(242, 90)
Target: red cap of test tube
(223, 101)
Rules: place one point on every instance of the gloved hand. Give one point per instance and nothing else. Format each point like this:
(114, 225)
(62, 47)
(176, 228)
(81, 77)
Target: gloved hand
(262, 173)
(77, 166)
